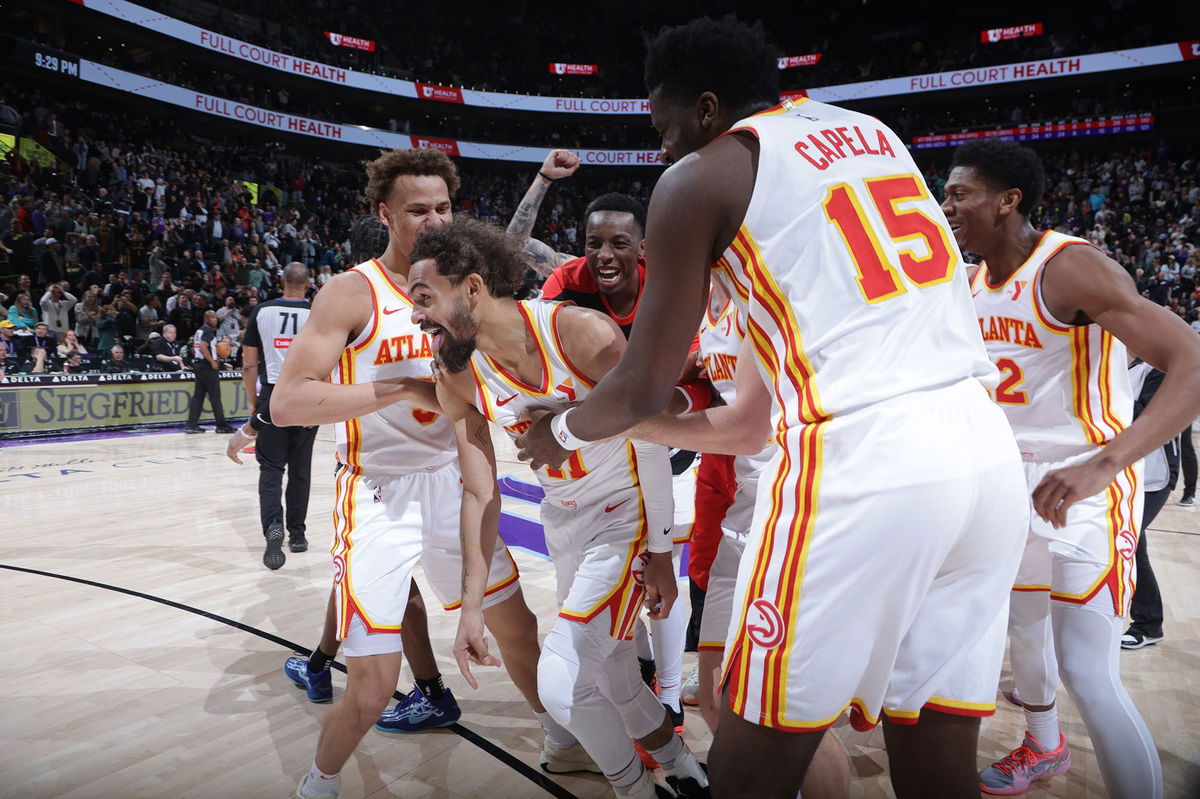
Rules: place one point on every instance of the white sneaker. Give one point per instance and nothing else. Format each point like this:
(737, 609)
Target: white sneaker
(644, 788)
(306, 790)
(566, 761)
(689, 692)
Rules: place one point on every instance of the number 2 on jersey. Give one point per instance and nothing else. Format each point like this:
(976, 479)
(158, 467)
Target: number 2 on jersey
(877, 278)
(1006, 392)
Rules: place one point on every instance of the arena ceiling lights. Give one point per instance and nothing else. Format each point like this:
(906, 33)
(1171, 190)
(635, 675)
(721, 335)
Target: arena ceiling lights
(954, 79)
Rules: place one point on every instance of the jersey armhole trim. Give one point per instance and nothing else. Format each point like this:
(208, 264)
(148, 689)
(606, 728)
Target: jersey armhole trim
(1049, 320)
(364, 339)
(562, 351)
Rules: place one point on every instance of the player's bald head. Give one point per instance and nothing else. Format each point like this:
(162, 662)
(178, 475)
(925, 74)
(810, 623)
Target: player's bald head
(295, 274)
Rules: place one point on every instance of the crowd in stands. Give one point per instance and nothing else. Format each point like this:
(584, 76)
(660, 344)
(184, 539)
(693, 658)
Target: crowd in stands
(512, 51)
(115, 260)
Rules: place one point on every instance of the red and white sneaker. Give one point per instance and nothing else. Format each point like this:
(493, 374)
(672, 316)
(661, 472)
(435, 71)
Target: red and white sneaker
(1028, 762)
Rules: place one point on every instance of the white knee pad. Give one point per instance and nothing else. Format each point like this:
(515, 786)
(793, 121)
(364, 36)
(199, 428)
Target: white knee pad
(621, 682)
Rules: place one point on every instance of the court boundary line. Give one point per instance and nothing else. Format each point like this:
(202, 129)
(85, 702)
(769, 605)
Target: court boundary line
(549, 786)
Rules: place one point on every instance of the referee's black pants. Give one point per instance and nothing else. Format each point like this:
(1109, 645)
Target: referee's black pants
(207, 383)
(280, 449)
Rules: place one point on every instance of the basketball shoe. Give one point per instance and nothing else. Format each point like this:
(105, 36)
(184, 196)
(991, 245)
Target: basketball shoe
(1028, 762)
(307, 790)
(318, 686)
(689, 692)
(566, 761)
(273, 557)
(416, 712)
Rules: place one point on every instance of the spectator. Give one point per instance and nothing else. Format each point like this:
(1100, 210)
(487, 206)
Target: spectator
(116, 362)
(70, 343)
(150, 317)
(22, 314)
(8, 341)
(107, 330)
(87, 315)
(73, 364)
(166, 350)
(56, 305)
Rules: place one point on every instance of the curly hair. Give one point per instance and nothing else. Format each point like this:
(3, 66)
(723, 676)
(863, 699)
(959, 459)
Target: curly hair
(622, 203)
(391, 164)
(731, 59)
(1005, 165)
(467, 246)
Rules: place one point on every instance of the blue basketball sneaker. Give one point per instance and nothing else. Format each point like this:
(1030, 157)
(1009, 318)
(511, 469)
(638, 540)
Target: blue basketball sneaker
(417, 712)
(319, 686)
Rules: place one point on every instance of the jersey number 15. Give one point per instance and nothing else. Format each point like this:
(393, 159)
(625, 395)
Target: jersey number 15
(877, 278)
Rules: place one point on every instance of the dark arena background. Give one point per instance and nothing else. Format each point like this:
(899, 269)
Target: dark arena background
(165, 158)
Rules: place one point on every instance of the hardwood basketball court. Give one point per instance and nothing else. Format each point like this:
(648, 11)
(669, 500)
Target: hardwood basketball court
(112, 693)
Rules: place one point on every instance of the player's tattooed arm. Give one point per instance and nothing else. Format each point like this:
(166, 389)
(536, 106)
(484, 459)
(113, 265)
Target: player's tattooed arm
(559, 164)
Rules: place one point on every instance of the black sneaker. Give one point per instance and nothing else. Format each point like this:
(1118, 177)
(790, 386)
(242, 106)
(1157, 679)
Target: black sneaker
(690, 787)
(298, 543)
(273, 557)
(676, 718)
(1187, 501)
(1136, 639)
(224, 428)
(193, 428)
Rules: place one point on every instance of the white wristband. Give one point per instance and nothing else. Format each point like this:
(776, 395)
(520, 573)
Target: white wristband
(563, 435)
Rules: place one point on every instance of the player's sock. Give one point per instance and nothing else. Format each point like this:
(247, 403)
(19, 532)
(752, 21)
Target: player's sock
(1043, 725)
(558, 735)
(329, 783)
(628, 775)
(318, 661)
(433, 688)
(678, 761)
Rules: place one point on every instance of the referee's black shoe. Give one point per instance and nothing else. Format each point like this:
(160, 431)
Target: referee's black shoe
(273, 557)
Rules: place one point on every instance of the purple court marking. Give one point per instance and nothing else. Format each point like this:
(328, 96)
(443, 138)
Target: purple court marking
(518, 531)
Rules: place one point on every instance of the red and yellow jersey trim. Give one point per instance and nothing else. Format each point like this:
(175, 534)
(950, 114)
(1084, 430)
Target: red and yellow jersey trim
(387, 276)
(1122, 495)
(348, 606)
(987, 276)
(481, 394)
(373, 330)
(625, 598)
(562, 350)
(723, 266)
(1081, 382)
(537, 391)
(351, 427)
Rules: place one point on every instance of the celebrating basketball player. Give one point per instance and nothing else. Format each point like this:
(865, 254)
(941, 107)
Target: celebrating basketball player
(610, 540)
(398, 489)
(888, 522)
(1056, 314)
(609, 278)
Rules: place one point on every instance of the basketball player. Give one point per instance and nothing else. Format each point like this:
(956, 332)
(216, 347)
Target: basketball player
(609, 540)
(1056, 315)
(609, 278)
(269, 331)
(399, 488)
(888, 522)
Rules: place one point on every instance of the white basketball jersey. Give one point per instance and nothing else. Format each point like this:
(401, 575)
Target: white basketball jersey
(720, 341)
(591, 473)
(853, 286)
(400, 438)
(1064, 388)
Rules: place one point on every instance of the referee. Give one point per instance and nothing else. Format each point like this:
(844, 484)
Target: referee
(269, 331)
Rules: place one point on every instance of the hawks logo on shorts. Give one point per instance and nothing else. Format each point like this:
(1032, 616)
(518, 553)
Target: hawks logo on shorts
(764, 624)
